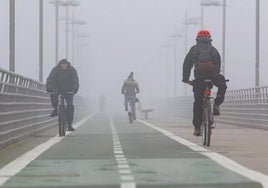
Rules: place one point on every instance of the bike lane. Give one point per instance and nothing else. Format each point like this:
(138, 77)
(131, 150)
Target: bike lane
(83, 158)
(110, 152)
(156, 160)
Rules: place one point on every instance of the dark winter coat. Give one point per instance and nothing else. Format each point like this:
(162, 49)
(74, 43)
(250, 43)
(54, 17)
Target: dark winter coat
(130, 87)
(192, 58)
(60, 80)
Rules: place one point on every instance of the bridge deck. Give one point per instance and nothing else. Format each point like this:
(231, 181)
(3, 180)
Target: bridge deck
(109, 152)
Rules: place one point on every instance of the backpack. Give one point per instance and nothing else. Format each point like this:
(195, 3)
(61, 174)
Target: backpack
(204, 62)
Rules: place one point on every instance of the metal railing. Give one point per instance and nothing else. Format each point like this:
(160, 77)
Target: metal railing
(243, 107)
(25, 107)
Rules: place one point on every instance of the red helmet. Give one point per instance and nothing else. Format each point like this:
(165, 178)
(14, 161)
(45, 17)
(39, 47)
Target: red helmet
(203, 33)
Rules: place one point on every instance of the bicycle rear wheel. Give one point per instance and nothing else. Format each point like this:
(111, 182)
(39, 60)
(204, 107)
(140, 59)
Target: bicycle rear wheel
(62, 120)
(206, 126)
(130, 117)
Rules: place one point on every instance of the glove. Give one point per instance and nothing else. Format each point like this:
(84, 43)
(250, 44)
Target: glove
(49, 90)
(75, 90)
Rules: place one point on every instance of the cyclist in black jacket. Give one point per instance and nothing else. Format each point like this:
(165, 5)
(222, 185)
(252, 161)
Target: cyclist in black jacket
(207, 62)
(63, 78)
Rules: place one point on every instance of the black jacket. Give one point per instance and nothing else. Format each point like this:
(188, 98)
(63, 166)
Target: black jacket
(130, 87)
(62, 80)
(192, 58)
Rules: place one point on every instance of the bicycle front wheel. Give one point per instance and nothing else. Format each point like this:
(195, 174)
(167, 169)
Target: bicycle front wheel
(62, 120)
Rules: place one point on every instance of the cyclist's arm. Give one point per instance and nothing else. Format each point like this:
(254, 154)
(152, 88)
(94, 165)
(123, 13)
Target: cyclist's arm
(50, 83)
(217, 60)
(187, 66)
(123, 89)
(75, 81)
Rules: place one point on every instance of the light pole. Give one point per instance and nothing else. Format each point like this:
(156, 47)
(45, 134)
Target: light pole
(12, 35)
(187, 22)
(40, 40)
(167, 45)
(257, 68)
(217, 3)
(68, 3)
(175, 37)
(57, 3)
(74, 23)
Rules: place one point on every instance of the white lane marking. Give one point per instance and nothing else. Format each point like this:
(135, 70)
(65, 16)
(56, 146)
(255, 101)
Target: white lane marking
(220, 159)
(125, 171)
(14, 167)
(127, 180)
(128, 185)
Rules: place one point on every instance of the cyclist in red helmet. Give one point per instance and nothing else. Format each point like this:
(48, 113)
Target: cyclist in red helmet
(206, 61)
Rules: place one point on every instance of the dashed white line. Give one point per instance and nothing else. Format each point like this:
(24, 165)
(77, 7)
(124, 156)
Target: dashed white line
(127, 180)
(220, 159)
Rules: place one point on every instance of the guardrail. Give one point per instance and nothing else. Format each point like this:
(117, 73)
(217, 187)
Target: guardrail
(244, 107)
(25, 107)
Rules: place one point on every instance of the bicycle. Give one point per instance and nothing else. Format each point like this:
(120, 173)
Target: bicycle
(207, 116)
(62, 114)
(131, 100)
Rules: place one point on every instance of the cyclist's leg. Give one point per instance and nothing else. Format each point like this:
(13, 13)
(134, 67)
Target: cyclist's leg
(70, 108)
(198, 89)
(54, 102)
(219, 82)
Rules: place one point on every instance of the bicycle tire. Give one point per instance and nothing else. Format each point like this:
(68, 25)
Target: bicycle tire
(130, 117)
(208, 122)
(203, 127)
(62, 121)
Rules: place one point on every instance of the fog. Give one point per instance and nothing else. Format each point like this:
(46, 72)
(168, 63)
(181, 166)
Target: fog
(135, 35)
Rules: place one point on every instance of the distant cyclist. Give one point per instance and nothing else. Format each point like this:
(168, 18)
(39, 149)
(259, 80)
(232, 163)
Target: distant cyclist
(207, 64)
(129, 90)
(63, 78)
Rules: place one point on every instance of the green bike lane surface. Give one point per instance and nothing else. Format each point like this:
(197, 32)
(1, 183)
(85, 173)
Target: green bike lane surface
(85, 158)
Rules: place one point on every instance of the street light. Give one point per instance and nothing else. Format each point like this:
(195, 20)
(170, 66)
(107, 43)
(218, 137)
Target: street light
(217, 3)
(41, 40)
(66, 4)
(187, 22)
(175, 37)
(74, 23)
(257, 68)
(12, 35)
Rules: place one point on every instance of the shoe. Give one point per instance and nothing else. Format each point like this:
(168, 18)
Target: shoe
(197, 132)
(54, 113)
(70, 129)
(216, 110)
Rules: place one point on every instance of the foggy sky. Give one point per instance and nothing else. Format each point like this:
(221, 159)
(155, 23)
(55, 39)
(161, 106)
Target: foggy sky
(127, 35)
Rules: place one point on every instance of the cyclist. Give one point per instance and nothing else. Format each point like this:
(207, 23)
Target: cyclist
(63, 78)
(129, 90)
(207, 62)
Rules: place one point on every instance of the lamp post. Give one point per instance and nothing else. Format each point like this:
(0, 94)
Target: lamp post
(75, 23)
(40, 40)
(257, 67)
(68, 3)
(167, 45)
(187, 22)
(217, 3)
(12, 35)
(175, 37)
(57, 3)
